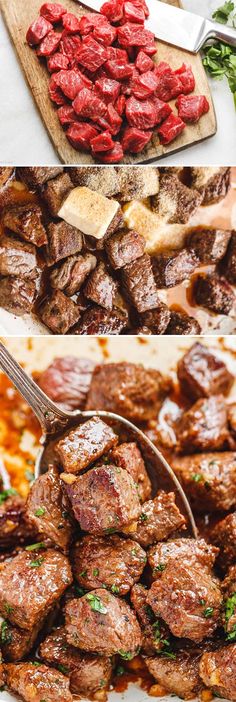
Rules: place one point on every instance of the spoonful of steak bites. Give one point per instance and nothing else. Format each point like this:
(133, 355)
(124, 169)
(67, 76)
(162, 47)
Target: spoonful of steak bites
(98, 469)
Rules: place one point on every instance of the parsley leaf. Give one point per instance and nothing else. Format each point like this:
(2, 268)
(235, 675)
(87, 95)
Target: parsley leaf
(35, 547)
(208, 612)
(7, 493)
(223, 13)
(127, 655)
(230, 607)
(96, 603)
(40, 512)
(220, 59)
(37, 563)
(6, 635)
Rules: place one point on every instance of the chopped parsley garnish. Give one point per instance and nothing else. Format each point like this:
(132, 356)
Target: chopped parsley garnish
(6, 635)
(8, 608)
(143, 517)
(219, 58)
(110, 531)
(83, 574)
(208, 612)
(231, 636)
(134, 551)
(35, 547)
(127, 655)
(96, 603)
(63, 669)
(222, 14)
(165, 644)
(119, 670)
(38, 562)
(202, 602)
(115, 589)
(7, 493)
(79, 591)
(197, 477)
(159, 568)
(40, 512)
(102, 683)
(29, 475)
(95, 572)
(230, 607)
(36, 663)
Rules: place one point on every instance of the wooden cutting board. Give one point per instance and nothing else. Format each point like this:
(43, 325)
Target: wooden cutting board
(19, 14)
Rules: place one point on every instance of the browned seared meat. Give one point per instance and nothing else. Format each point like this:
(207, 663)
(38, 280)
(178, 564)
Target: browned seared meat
(175, 202)
(17, 294)
(124, 247)
(137, 183)
(154, 632)
(224, 536)
(212, 183)
(55, 191)
(229, 263)
(102, 180)
(229, 589)
(47, 510)
(101, 623)
(183, 325)
(173, 267)
(110, 562)
(157, 319)
(208, 479)
(37, 683)
(87, 672)
(218, 671)
(26, 221)
(71, 273)
(178, 675)
(85, 444)
(209, 245)
(103, 499)
(139, 284)
(5, 175)
(98, 321)
(2, 672)
(16, 257)
(34, 176)
(202, 374)
(101, 288)
(30, 584)
(129, 457)
(16, 643)
(187, 551)
(134, 391)
(14, 526)
(188, 599)
(204, 426)
(159, 518)
(232, 417)
(63, 241)
(59, 312)
(67, 381)
(214, 293)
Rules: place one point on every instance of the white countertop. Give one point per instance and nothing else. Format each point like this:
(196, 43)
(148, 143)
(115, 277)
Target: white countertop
(24, 140)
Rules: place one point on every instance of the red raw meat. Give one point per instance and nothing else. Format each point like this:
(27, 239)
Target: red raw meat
(71, 23)
(107, 89)
(120, 104)
(169, 85)
(118, 70)
(114, 119)
(70, 82)
(142, 4)
(151, 49)
(113, 156)
(80, 135)
(134, 35)
(162, 68)
(134, 140)
(49, 44)
(105, 33)
(141, 114)
(163, 110)
(90, 21)
(113, 10)
(87, 104)
(66, 115)
(170, 129)
(69, 45)
(115, 54)
(91, 54)
(55, 92)
(102, 142)
(38, 30)
(143, 62)
(52, 11)
(145, 85)
(134, 14)
(57, 62)
(192, 107)
(186, 78)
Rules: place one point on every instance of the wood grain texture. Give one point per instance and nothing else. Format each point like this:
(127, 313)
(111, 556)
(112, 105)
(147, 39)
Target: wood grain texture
(18, 14)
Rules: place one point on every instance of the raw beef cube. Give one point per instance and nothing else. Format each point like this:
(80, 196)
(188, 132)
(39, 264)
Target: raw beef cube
(209, 245)
(157, 319)
(102, 142)
(175, 202)
(128, 456)
(91, 54)
(16, 257)
(63, 241)
(71, 23)
(34, 177)
(69, 46)
(85, 444)
(46, 510)
(181, 324)
(52, 11)
(70, 82)
(162, 109)
(87, 104)
(172, 268)
(37, 31)
(98, 321)
(214, 293)
(101, 288)
(142, 113)
(168, 84)
(186, 78)
(57, 62)
(202, 374)
(123, 247)
(113, 156)
(107, 89)
(143, 62)
(105, 33)
(49, 44)
(114, 119)
(67, 380)
(17, 295)
(26, 221)
(34, 683)
(66, 115)
(204, 426)
(139, 284)
(133, 13)
(87, 23)
(58, 312)
(102, 499)
(170, 129)
(55, 93)
(145, 85)
(191, 108)
(208, 480)
(159, 519)
(230, 260)
(54, 192)
(117, 70)
(113, 10)
(80, 135)
(131, 34)
(70, 275)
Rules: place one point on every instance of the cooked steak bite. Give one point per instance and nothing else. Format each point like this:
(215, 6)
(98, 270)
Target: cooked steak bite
(208, 479)
(2, 672)
(104, 499)
(108, 561)
(26, 221)
(63, 241)
(223, 536)
(30, 584)
(37, 683)
(191, 552)
(204, 426)
(183, 325)
(59, 312)
(175, 202)
(188, 599)
(67, 381)
(70, 275)
(154, 631)
(17, 258)
(14, 526)
(231, 411)
(101, 287)
(34, 177)
(47, 510)
(139, 284)
(128, 456)
(124, 247)
(17, 295)
(137, 183)
(172, 268)
(157, 319)
(85, 444)
(5, 175)
(54, 192)
(101, 623)
(213, 182)
(229, 589)
(178, 675)
(209, 245)
(104, 180)
(16, 643)
(98, 321)
(229, 263)
(214, 293)
(159, 518)
(135, 392)
(218, 671)
(202, 374)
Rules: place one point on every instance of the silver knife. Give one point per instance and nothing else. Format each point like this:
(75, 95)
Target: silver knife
(178, 27)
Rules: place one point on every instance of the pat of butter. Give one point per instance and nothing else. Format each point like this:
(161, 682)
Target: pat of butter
(89, 211)
(158, 235)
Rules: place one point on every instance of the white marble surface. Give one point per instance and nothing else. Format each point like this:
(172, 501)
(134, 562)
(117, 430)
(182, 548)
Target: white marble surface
(24, 140)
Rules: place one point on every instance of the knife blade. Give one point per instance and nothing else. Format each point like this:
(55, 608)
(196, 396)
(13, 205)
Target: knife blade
(178, 27)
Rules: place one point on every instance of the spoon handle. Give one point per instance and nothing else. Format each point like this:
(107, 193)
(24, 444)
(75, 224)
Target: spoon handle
(51, 418)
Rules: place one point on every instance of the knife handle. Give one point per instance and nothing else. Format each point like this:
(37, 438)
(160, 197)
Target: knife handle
(219, 31)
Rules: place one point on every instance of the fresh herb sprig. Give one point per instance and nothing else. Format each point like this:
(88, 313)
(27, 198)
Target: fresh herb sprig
(220, 59)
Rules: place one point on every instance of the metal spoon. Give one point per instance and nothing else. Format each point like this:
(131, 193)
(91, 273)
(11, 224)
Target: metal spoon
(56, 422)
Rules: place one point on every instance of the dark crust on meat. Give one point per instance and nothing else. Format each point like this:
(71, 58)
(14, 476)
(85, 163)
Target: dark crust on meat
(54, 524)
(201, 373)
(175, 201)
(159, 519)
(85, 444)
(208, 480)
